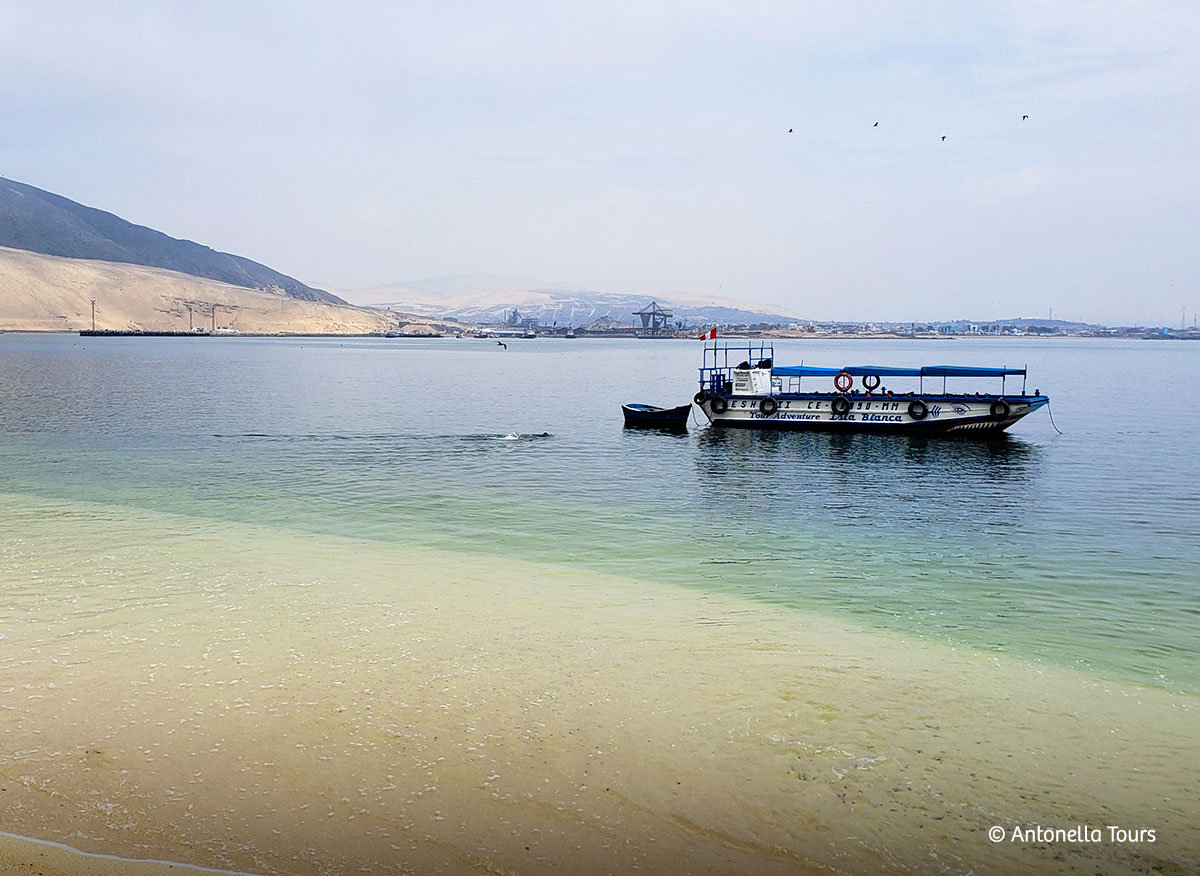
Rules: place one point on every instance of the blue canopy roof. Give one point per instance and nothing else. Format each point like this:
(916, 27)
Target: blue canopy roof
(803, 371)
(885, 371)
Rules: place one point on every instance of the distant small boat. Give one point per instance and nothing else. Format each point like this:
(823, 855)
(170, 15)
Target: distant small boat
(570, 333)
(651, 417)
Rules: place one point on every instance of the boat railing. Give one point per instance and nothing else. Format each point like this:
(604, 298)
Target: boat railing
(726, 365)
(722, 358)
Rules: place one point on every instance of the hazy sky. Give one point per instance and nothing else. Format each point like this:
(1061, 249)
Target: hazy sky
(644, 146)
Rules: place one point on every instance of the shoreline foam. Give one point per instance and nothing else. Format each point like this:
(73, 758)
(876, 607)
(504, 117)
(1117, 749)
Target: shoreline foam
(23, 854)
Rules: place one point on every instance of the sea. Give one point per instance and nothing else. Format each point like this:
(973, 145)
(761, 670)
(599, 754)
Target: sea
(459, 534)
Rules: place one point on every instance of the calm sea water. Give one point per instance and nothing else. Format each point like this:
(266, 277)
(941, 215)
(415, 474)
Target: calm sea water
(1077, 549)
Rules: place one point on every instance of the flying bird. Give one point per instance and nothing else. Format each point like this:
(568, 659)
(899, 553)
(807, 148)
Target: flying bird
(943, 138)
(789, 130)
(502, 344)
(1023, 118)
(876, 125)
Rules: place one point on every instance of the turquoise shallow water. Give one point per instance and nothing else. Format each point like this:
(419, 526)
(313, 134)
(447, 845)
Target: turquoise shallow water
(1076, 549)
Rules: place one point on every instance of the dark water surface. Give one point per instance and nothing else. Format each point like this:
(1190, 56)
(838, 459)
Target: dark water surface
(1079, 549)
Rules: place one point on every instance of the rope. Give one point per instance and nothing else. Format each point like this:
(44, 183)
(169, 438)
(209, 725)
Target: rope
(1052, 423)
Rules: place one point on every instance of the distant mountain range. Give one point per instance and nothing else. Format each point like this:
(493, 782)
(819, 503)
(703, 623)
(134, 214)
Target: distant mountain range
(42, 222)
(487, 298)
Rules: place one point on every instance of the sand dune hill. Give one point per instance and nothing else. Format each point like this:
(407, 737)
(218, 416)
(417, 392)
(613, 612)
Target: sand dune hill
(50, 293)
(40, 221)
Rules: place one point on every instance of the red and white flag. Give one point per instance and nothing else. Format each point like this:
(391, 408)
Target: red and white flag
(710, 335)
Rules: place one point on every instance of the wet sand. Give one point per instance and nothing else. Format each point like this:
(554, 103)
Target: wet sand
(242, 698)
(21, 856)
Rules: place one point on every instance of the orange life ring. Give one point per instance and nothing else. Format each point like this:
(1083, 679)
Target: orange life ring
(843, 381)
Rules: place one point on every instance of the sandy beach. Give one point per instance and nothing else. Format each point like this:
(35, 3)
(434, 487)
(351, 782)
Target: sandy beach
(245, 699)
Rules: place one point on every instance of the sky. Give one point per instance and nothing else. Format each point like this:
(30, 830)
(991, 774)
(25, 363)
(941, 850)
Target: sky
(787, 153)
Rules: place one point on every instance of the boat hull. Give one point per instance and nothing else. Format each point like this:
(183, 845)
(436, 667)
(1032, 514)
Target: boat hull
(650, 417)
(818, 412)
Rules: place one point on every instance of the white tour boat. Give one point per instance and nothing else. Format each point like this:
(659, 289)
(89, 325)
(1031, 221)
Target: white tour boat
(757, 394)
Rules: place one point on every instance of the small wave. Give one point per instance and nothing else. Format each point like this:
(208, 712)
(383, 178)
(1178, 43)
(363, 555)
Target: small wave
(373, 437)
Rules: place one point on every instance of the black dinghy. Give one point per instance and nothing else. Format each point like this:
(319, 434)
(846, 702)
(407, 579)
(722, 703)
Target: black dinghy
(651, 417)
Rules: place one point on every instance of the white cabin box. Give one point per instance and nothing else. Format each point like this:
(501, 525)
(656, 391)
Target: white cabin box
(752, 381)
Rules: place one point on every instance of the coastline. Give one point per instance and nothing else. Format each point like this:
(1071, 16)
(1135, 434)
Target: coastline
(21, 855)
(248, 699)
(596, 336)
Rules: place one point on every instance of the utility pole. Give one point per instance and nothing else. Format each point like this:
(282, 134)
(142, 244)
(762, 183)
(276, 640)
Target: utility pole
(229, 307)
(93, 314)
